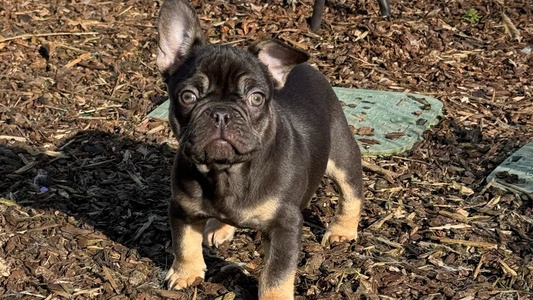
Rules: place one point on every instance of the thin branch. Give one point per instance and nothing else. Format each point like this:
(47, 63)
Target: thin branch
(30, 35)
(389, 175)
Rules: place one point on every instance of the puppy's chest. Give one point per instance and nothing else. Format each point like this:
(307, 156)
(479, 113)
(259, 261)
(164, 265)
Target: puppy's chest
(240, 212)
(247, 213)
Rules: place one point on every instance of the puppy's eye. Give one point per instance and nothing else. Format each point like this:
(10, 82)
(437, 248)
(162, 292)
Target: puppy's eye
(188, 97)
(256, 99)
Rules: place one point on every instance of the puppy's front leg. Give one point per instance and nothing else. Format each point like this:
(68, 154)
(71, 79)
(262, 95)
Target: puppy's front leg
(188, 262)
(282, 245)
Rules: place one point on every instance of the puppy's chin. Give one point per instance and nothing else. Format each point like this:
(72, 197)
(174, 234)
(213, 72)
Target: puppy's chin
(220, 151)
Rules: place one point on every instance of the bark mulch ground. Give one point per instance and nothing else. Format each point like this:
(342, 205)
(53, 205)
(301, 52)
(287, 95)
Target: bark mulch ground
(84, 177)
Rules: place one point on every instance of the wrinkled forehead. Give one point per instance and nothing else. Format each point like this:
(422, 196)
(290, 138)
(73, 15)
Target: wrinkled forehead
(230, 67)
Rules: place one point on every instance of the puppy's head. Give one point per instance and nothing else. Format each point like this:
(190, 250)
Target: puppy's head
(221, 96)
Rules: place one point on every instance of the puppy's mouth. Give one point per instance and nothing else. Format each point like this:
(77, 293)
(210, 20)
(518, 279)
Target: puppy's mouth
(220, 143)
(218, 151)
(208, 144)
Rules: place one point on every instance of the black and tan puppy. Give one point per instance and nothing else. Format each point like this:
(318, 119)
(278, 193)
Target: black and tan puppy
(257, 129)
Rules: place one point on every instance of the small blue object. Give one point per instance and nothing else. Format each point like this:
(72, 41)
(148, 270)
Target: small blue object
(43, 189)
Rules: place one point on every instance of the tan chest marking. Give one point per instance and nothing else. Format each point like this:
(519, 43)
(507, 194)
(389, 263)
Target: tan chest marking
(261, 213)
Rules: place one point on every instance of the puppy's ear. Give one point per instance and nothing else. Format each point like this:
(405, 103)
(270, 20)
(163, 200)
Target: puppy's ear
(279, 58)
(179, 31)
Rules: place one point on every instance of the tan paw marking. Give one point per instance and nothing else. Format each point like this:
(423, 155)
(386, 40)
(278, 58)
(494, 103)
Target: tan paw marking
(284, 290)
(185, 276)
(346, 221)
(338, 233)
(216, 233)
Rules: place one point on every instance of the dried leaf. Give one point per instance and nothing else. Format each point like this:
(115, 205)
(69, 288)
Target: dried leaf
(394, 135)
(365, 131)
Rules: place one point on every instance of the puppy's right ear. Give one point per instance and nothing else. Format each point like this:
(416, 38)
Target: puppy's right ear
(179, 31)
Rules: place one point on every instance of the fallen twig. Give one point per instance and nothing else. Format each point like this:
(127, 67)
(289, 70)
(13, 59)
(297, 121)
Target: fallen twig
(468, 243)
(11, 137)
(507, 269)
(99, 108)
(78, 59)
(452, 215)
(30, 35)
(478, 268)
(450, 226)
(389, 175)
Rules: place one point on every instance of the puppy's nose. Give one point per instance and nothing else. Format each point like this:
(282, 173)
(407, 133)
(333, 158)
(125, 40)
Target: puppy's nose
(221, 117)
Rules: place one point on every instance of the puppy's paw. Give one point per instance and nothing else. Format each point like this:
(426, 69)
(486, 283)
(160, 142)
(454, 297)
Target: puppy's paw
(185, 275)
(337, 234)
(216, 233)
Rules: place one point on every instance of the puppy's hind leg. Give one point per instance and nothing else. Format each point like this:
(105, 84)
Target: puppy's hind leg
(344, 168)
(216, 232)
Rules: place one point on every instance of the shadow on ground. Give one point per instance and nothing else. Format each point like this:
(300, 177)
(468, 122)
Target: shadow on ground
(106, 187)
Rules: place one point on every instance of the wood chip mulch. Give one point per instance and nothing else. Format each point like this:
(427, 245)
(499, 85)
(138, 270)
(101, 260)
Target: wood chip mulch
(84, 177)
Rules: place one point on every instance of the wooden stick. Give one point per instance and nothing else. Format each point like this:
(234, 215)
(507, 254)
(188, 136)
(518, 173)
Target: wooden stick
(468, 243)
(78, 59)
(11, 137)
(30, 35)
(478, 268)
(507, 269)
(389, 175)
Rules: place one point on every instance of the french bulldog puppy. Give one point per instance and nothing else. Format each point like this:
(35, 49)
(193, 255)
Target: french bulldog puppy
(257, 130)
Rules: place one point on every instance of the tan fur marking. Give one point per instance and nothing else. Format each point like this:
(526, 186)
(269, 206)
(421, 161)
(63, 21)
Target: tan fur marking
(346, 221)
(191, 206)
(284, 290)
(190, 265)
(263, 212)
(216, 232)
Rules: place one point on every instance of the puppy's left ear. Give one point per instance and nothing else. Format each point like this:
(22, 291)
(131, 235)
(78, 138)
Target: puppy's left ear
(279, 58)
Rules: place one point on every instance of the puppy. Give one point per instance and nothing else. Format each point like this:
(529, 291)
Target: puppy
(257, 130)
